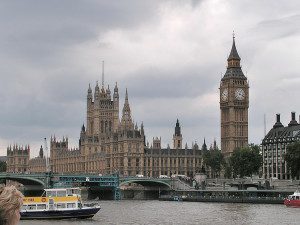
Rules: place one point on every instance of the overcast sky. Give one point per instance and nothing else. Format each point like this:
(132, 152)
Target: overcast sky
(169, 54)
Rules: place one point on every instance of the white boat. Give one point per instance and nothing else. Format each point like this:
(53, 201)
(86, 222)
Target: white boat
(57, 203)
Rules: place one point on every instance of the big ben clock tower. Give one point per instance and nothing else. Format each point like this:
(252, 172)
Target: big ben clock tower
(234, 104)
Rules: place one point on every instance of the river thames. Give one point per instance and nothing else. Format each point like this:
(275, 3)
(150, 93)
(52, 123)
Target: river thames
(129, 212)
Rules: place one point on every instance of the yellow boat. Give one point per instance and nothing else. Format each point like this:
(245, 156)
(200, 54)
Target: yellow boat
(57, 203)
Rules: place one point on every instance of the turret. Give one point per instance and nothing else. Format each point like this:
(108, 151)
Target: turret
(108, 93)
(116, 108)
(204, 146)
(177, 137)
(126, 115)
(41, 153)
(89, 95)
(97, 95)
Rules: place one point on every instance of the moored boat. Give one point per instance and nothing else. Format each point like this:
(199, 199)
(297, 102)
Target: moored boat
(293, 200)
(58, 203)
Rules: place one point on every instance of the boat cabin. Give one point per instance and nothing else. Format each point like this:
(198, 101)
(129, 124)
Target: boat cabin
(54, 199)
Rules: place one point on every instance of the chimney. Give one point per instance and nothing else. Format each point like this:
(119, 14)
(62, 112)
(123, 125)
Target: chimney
(278, 123)
(293, 121)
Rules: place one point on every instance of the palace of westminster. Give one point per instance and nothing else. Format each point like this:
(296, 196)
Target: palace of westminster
(109, 144)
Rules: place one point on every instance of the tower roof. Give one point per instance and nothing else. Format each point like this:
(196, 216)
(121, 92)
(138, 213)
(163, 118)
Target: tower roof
(234, 69)
(233, 53)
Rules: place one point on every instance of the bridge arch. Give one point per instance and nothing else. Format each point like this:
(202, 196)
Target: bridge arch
(23, 179)
(143, 182)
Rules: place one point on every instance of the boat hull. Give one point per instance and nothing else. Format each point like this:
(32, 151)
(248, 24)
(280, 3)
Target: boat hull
(82, 213)
(292, 203)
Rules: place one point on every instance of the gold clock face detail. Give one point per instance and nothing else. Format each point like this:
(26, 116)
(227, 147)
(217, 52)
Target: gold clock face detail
(224, 95)
(239, 94)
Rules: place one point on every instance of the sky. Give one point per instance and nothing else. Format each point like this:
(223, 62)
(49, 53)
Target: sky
(169, 54)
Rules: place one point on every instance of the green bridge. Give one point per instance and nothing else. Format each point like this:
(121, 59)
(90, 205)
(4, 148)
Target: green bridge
(112, 182)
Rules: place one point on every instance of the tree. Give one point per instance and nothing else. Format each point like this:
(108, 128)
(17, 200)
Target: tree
(292, 157)
(245, 161)
(215, 160)
(2, 166)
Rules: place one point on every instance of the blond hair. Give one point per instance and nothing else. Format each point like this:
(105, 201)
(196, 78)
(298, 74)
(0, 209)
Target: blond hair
(10, 201)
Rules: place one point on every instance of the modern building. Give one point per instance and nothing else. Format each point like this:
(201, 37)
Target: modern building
(274, 147)
(234, 104)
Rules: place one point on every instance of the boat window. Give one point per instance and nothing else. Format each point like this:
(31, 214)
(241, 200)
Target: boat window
(70, 205)
(61, 193)
(24, 207)
(297, 197)
(31, 207)
(61, 205)
(41, 206)
(73, 191)
(51, 201)
(51, 194)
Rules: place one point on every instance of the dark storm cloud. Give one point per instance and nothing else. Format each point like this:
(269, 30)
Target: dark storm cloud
(172, 83)
(33, 29)
(169, 54)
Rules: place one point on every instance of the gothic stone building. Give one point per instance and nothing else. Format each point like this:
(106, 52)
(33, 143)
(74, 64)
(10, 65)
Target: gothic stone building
(109, 144)
(234, 104)
(18, 159)
(274, 147)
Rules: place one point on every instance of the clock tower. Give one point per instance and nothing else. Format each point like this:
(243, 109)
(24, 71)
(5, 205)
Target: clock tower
(234, 104)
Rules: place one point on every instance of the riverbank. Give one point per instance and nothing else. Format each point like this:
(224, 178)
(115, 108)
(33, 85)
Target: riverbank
(236, 196)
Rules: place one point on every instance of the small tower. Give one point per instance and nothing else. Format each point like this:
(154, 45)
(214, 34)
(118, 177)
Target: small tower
(41, 153)
(204, 146)
(157, 143)
(126, 121)
(177, 137)
(116, 108)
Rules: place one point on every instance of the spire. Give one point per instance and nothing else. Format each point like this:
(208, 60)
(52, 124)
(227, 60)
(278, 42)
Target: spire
(97, 89)
(177, 129)
(102, 74)
(41, 153)
(126, 96)
(83, 128)
(126, 114)
(233, 53)
(89, 95)
(204, 146)
(142, 128)
(234, 69)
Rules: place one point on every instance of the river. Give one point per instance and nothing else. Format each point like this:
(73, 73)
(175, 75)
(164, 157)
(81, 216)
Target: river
(129, 212)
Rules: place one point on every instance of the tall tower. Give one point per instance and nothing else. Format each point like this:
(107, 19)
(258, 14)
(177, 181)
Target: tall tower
(177, 137)
(234, 104)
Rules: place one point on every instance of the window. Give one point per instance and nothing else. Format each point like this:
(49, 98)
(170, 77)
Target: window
(31, 207)
(60, 205)
(41, 206)
(71, 205)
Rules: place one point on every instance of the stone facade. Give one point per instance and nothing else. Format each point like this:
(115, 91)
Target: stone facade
(18, 159)
(274, 147)
(38, 164)
(234, 104)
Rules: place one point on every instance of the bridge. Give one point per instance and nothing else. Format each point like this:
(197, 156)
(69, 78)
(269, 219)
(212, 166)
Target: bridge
(113, 182)
(147, 181)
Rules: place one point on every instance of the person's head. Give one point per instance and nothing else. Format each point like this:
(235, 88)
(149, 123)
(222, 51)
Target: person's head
(11, 201)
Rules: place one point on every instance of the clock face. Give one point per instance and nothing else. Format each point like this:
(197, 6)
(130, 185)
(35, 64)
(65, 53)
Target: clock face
(224, 95)
(239, 94)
